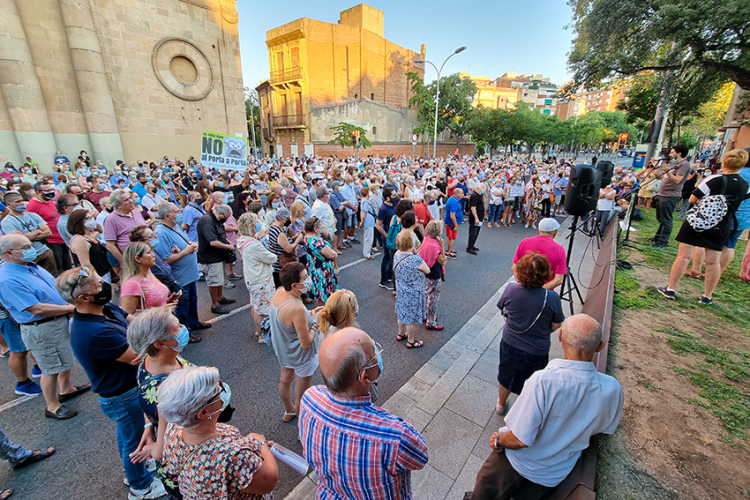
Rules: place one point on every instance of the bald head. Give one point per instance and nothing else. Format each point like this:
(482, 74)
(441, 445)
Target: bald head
(582, 333)
(342, 356)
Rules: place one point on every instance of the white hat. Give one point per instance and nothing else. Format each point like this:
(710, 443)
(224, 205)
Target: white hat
(548, 225)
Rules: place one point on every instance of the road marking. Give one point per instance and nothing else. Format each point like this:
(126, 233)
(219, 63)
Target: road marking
(358, 261)
(17, 401)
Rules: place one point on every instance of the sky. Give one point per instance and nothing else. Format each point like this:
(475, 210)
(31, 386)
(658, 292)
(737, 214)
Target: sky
(500, 35)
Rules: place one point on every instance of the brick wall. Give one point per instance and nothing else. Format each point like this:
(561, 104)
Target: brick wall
(396, 149)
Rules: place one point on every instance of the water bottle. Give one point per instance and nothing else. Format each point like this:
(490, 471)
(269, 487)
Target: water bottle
(290, 458)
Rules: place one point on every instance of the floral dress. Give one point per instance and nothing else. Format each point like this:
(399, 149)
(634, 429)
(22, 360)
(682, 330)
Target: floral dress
(535, 198)
(321, 270)
(410, 288)
(219, 468)
(148, 385)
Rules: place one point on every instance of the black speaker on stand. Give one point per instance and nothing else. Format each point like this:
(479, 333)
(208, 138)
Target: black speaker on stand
(607, 168)
(581, 197)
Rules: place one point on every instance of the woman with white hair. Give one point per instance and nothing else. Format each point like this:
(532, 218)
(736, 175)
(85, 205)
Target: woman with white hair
(257, 264)
(158, 335)
(210, 459)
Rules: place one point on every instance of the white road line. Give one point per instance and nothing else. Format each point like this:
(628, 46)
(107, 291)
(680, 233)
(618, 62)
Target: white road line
(23, 399)
(17, 401)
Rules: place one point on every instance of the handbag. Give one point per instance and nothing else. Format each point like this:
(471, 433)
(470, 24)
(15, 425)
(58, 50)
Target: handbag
(286, 258)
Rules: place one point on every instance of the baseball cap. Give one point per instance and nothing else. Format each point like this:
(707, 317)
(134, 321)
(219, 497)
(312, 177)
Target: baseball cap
(548, 225)
(337, 183)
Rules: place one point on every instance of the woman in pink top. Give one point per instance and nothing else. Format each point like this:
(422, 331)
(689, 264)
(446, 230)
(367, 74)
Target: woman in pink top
(141, 289)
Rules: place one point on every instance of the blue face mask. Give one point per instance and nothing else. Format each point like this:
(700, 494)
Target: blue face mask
(154, 243)
(275, 205)
(221, 184)
(29, 254)
(182, 338)
(178, 218)
(258, 227)
(102, 187)
(20, 208)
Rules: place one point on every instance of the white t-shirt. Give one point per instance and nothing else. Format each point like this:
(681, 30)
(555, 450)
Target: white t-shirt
(605, 204)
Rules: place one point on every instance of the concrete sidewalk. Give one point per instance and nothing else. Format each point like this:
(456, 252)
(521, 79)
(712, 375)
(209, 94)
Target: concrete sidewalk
(451, 399)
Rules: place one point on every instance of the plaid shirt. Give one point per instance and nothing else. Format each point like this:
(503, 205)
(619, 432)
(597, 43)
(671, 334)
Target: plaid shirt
(358, 450)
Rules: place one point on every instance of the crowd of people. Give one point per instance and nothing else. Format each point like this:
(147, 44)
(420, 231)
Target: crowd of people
(102, 264)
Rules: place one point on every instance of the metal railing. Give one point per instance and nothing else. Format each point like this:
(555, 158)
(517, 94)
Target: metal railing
(288, 121)
(286, 75)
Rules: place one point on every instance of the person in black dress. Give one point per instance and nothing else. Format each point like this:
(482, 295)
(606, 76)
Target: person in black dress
(736, 189)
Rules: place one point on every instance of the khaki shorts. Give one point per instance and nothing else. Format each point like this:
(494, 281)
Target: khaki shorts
(214, 273)
(50, 345)
(261, 295)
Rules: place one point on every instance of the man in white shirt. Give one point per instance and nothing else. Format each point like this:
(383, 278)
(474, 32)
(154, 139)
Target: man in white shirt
(553, 419)
(323, 211)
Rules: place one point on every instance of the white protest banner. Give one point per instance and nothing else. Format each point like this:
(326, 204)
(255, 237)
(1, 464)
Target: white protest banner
(516, 191)
(223, 151)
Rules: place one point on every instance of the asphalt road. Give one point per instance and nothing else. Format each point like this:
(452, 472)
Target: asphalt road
(87, 466)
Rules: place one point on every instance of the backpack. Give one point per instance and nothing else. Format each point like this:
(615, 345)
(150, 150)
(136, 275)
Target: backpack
(390, 241)
(710, 211)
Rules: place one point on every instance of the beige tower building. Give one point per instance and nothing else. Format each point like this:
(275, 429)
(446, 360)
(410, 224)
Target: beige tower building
(122, 79)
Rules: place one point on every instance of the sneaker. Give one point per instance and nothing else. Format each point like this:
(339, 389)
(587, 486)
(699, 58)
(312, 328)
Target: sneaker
(526, 226)
(345, 244)
(355, 241)
(154, 490)
(36, 372)
(667, 293)
(659, 245)
(220, 310)
(225, 301)
(28, 388)
(451, 256)
(374, 249)
(150, 465)
(706, 301)
(233, 277)
(228, 284)
(471, 251)
(499, 409)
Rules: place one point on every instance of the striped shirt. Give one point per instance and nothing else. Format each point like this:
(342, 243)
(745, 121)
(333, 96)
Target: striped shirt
(273, 244)
(358, 450)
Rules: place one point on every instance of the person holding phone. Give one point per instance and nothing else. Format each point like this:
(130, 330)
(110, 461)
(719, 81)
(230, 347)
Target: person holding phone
(141, 289)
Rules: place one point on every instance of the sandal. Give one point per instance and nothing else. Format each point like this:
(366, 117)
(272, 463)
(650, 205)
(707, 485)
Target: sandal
(34, 457)
(288, 417)
(414, 345)
(693, 274)
(400, 337)
(339, 252)
(5, 494)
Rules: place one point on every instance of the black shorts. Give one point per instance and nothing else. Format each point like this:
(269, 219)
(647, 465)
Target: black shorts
(517, 366)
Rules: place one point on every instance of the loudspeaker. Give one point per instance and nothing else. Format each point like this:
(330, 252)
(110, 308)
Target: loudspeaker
(582, 192)
(608, 169)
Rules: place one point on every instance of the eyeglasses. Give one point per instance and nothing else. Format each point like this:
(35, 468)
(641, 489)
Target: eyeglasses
(218, 394)
(378, 351)
(83, 273)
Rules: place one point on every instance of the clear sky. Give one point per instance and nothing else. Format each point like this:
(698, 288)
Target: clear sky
(500, 35)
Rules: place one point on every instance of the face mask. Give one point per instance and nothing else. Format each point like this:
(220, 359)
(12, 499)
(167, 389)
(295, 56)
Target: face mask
(74, 181)
(154, 243)
(374, 386)
(283, 192)
(90, 224)
(275, 204)
(78, 195)
(29, 254)
(104, 295)
(306, 285)
(20, 208)
(305, 192)
(258, 227)
(221, 184)
(178, 219)
(102, 187)
(225, 396)
(182, 338)
(51, 194)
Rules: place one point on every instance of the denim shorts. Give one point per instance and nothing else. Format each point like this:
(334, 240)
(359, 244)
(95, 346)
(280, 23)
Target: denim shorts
(732, 241)
(12, 335)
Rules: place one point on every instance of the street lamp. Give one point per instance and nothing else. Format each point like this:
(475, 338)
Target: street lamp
(437, 97)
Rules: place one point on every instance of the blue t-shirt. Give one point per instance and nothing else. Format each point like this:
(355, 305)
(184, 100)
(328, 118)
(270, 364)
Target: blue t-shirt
(743, 213)
(24, 286)
(139, 189)
(335, 200)
(385, 214)
(184, 269)
(190, 217)
(453, 207)
(97, 342)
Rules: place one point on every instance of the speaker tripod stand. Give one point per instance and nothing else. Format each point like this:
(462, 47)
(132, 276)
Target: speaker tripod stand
(569, 280)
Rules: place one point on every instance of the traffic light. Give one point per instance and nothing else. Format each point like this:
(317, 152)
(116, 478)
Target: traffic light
(623, 137)
(354, 138)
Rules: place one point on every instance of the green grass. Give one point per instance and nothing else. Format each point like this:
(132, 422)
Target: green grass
(736, 370)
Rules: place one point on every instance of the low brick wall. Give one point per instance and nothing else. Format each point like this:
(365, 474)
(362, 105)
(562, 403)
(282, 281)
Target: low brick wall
(396, 149)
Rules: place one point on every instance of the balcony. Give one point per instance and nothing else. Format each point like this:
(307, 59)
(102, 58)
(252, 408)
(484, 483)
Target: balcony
(267, 136)
(287, 75)
(288, 121)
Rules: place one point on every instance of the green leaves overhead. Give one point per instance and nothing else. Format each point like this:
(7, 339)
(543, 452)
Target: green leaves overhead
(343, 135)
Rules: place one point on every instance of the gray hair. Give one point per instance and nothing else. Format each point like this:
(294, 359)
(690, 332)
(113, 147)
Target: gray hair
(582, 332)
(223, 209)
(321, 192)
(117, 196)
(164, 209)
(8, 242)
(434, 228)
(283, 213)
(185, 393)
(148, 327)
(70, 281)
(347, 371)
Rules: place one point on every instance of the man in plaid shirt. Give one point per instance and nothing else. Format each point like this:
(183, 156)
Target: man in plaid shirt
(358, 450)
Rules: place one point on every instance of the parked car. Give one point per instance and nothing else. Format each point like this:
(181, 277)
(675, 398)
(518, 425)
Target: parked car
(624, 152)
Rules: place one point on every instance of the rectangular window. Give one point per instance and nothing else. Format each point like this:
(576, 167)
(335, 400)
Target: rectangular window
(295, 56)
(280, 61)
(372, 97)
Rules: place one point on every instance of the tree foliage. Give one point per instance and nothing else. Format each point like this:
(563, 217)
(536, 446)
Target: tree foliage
(251, 106)
(456, 96)
(343, 135)
(626, 37)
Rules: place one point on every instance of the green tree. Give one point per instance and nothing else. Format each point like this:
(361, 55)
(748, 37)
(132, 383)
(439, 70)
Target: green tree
(251, 106)
(343, 135)
(710, 116)
(626, 37)
(456, 96)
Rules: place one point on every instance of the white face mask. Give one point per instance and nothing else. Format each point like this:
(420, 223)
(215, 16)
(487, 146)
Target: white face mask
(90, 224)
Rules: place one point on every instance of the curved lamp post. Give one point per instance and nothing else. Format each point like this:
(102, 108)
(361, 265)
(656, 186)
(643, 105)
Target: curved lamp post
(437, 97)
